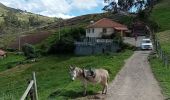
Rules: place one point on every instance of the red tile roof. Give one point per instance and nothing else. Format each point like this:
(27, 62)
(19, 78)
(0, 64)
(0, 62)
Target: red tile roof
(107, 23)
(2, 53)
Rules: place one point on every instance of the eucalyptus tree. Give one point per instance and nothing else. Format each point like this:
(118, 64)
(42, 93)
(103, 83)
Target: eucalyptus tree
(129, 5)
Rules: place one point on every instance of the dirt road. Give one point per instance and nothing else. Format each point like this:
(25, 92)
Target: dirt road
(135, 81)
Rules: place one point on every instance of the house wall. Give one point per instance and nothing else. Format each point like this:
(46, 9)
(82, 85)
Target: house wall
(98, 32)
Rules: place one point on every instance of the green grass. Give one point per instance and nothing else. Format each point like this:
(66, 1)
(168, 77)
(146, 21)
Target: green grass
(164, 39)
(10, 61)
(53, 79)
(161, 14)
(162, 75)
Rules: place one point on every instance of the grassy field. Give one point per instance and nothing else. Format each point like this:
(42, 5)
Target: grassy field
(162, 75)
(54, 82)
(10, 61)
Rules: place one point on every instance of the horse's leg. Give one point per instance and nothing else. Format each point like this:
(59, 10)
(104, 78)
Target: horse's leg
(106, 87)
(103, 91)
(85, 87)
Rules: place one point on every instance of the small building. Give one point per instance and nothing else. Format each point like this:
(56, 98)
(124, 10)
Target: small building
(2, 53)
(105, 28)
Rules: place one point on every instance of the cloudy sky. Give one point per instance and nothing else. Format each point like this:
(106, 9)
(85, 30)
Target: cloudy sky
(57, 8)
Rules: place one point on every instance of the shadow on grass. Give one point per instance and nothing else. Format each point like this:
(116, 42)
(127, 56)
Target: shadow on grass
(69, 94)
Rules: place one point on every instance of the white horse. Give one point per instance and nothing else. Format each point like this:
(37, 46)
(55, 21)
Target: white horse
(100, 76)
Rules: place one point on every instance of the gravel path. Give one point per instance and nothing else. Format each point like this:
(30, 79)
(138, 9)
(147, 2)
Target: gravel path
(135, 81)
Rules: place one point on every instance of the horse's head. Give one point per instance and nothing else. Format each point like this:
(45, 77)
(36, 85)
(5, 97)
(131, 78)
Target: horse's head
(73, 72)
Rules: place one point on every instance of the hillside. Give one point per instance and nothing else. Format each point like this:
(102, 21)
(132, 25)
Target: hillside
(15, 22)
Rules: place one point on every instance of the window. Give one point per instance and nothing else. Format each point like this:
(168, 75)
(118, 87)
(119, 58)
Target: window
(88, 30)
(93, 30)
(104, 30)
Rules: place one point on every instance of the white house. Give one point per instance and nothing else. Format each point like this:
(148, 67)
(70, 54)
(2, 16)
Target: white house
(104, 27)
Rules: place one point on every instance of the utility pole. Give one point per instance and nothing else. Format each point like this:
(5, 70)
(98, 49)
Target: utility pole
(59, 29)
(19, 43)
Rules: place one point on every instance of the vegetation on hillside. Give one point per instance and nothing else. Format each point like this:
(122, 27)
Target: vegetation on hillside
(161, 15)
(53, 75)
(14, 22)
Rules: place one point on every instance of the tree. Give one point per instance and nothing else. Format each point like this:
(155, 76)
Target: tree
(29, 51)
(127, 5)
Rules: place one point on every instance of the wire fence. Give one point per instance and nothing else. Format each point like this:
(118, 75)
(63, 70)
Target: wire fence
(165, 57)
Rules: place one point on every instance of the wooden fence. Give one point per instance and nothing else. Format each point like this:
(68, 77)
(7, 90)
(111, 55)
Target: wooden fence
(31, 91)
(161, 53)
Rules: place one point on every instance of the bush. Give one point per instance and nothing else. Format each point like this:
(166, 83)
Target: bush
(29, 51)
(66, 43)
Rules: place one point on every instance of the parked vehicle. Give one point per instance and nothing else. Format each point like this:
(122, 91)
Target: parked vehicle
(146, 44)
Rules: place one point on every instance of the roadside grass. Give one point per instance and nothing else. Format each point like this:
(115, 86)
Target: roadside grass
(54, 82)
(162, 74)
(10, 61)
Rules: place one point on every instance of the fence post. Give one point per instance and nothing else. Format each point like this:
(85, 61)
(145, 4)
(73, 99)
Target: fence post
(35, 86)
(166, 61)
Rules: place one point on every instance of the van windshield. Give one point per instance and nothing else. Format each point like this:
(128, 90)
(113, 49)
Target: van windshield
(146, 41)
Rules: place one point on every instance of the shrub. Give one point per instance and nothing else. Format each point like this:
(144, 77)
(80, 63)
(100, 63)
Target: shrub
(66, 42)
(29, 51)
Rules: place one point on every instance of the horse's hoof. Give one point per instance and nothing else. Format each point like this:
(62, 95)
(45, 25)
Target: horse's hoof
(104, 93)
(84, 94)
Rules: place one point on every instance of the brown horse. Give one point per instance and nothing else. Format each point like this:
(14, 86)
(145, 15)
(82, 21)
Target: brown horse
(100, 76)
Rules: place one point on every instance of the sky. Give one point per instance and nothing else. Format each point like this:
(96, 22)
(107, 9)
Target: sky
(57, 8)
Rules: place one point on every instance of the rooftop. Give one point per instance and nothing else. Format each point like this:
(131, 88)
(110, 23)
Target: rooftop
(108, 23)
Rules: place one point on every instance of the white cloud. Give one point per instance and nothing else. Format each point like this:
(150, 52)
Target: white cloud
(84, 4)
(58, 8)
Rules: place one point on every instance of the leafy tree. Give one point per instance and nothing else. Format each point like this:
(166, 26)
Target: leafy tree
(66, 42)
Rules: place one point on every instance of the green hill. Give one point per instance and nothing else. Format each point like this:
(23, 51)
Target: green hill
(161, 14)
